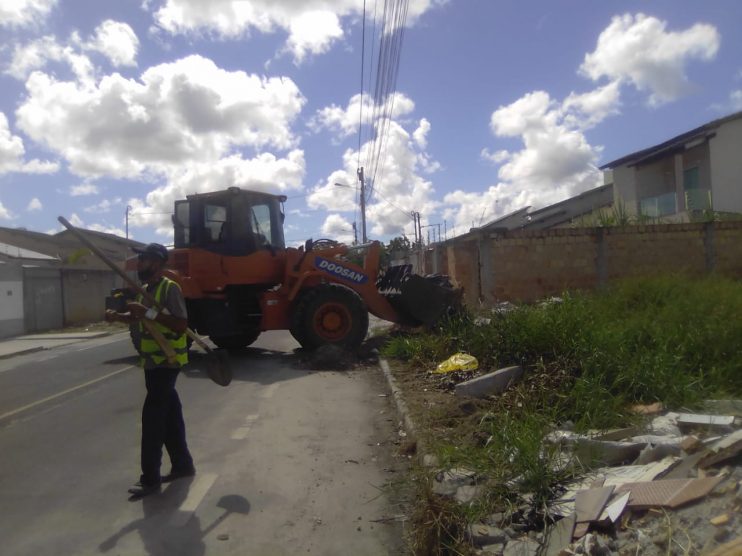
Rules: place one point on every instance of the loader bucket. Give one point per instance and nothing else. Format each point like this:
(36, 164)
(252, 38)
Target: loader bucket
(419, 299)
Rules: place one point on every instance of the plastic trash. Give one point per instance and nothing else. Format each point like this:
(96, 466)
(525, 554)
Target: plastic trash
(458, 362)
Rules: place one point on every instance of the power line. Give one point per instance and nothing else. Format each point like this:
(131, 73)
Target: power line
(387, 70)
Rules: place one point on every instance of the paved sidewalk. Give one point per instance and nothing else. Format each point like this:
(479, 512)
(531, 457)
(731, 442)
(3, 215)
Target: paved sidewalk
(19, 345)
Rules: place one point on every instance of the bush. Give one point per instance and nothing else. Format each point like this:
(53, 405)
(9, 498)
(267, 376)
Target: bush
(671, 339)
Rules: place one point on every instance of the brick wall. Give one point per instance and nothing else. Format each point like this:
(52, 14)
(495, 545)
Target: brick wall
(530, 265)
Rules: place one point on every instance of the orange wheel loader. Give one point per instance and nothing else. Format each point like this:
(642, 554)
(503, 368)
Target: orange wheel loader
(239, 278)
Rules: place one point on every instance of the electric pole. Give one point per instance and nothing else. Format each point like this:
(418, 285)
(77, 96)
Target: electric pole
(355, 234)
(128, 208)
(363, 205)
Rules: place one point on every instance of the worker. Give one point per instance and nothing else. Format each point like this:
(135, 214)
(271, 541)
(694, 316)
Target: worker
(162, 414)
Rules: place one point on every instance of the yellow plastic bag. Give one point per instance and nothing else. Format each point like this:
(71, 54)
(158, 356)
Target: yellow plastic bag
(458, 362)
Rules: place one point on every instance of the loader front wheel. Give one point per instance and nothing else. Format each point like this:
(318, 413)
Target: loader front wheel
(330, 314)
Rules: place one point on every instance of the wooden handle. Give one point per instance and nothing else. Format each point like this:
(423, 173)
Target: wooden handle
(148, 296)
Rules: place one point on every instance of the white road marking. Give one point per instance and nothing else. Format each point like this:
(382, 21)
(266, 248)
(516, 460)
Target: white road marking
(62, 393)
(241, 432)
(268, 392)
(196, 493)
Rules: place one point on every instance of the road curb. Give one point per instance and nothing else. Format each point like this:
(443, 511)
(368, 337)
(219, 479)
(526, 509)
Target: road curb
(402, 408)
(21, 352)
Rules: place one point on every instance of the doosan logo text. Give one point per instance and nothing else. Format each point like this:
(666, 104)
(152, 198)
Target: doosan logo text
(339, 270)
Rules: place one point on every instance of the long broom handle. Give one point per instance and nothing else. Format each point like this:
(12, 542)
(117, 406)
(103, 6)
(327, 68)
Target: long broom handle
(148, 296)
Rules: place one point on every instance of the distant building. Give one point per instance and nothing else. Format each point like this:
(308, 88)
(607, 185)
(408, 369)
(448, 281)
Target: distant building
(50, 281)
(696, 171)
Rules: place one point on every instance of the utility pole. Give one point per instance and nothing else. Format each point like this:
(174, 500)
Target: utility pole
(128, 208)
(363, 205)
(445, 231)
(355, 234)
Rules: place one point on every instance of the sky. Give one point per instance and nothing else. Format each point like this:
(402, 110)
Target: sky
(498, 105)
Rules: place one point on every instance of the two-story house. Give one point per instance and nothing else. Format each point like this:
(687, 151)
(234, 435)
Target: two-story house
(694, 172)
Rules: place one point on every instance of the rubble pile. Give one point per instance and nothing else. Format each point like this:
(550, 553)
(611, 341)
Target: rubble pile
(672, 486)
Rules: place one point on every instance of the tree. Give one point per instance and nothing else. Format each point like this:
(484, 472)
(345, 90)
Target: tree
(399, 245)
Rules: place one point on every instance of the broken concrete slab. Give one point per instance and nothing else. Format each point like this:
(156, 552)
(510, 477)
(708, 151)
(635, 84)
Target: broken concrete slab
(616, 434)
(522, 547)
(686, 467)
(589, 505)
(691, 421)
(615, 507)
(590, 451)
(667, 493)
(491, 383)
(467, 493)
(448, 482)
(722, 450)
(559, 536)
(656, 453)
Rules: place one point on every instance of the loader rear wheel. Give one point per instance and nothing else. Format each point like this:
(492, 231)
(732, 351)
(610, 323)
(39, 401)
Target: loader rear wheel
(236, 341)
(330, 314)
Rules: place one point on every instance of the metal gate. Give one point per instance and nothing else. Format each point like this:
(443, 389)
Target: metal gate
(42, 299)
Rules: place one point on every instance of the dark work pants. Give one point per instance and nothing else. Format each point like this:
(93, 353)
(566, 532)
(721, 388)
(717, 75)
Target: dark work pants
(162, 424)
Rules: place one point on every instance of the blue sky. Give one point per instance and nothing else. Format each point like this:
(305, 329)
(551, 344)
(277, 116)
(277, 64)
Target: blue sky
(499, 105)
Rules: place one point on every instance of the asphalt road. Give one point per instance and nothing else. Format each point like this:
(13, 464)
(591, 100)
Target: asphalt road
(289, 460)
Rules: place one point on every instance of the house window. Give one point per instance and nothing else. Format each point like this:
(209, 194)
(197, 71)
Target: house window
(661, 205)
(692, 178)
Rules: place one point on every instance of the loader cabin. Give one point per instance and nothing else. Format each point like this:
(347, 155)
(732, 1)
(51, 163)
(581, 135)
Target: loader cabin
(233, 222)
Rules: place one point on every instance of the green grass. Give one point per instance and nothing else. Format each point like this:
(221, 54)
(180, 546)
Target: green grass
(671, 339)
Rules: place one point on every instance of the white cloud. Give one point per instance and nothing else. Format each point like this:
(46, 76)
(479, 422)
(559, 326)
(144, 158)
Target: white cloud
(735, 100)
(187, 111)
(12, 154)
(497, 157)
(24, 13)
(78, 222)
(420, 135)
(398, 190)
(313, 26)
(34, 204)
(83, 189)
(313, 33)
(265, 172)
(556, 161)
(108, 229)
(37, 54)
(638, 49)
(338, 228)
(104, 206)
(587, 110)
(117, 41)
(343, 122)
(5, 214)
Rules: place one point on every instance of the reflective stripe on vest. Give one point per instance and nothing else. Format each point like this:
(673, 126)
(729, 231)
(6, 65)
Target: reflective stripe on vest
(151, 355)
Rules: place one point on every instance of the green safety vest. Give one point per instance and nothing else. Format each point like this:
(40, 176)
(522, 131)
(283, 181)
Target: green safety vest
(149, 350)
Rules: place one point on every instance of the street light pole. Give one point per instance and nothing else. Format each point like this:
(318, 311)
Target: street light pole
(128, 208)
(363, 205)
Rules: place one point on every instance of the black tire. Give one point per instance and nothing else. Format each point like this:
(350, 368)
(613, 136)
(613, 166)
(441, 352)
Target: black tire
(237, 341)
(330, 314)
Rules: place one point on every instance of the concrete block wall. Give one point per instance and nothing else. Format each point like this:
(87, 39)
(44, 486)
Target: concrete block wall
(531, 265)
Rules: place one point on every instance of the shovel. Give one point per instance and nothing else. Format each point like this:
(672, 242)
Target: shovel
(217, 362)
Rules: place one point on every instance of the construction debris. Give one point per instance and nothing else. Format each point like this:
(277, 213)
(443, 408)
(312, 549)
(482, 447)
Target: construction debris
(489, 384)
(668, 471)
